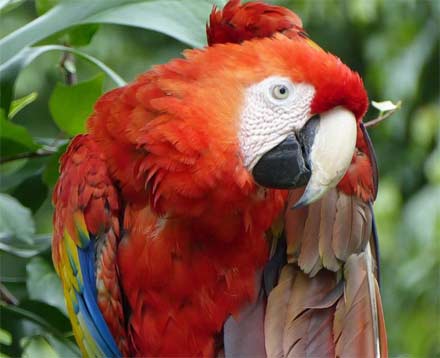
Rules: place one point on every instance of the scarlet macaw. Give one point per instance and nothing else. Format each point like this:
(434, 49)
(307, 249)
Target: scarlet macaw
(182, 226)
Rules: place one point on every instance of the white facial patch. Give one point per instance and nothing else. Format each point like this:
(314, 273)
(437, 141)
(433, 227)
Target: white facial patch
(272, 109)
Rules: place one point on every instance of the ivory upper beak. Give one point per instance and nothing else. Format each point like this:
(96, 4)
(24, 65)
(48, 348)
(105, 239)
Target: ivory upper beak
(331, 153)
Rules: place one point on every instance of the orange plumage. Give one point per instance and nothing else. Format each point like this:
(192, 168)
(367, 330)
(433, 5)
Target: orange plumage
(161, 174)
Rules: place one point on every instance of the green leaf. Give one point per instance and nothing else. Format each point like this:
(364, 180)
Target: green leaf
(31, 192)
(18, 104)
(17, 229)
(15, 220)
(62, 16)
(8, 5)
(47, 317)
(81, 35)
(182, 20)
(5, 337)
(78, 35)
(51, 173)
(49, 344)
(13, 271)
(43, 6)
(37, 346)
(10, 70)
(32, 318)
(17, 171)
(43, 283)
(70, 106)
(64, 348)
(14, 139)
(107, 70)
(22, 249)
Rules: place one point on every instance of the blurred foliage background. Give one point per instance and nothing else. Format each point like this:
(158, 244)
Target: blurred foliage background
(394, 44)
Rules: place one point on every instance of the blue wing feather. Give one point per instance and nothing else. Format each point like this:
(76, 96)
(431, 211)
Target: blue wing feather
(88, 305)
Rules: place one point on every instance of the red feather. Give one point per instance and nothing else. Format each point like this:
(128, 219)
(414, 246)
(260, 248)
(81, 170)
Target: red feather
(241, 22)
(194, 222)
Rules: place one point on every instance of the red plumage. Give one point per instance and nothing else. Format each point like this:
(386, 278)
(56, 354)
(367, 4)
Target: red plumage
(241, 22)
(193, 220)
(208, 253)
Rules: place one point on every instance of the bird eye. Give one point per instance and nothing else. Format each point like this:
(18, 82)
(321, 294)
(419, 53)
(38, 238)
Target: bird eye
(280, 92)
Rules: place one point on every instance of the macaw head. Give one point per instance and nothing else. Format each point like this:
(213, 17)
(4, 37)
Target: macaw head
(262, 106)
(300, 119)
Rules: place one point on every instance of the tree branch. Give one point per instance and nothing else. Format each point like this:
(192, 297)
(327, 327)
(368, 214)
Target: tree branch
(68, 68)
(7, 296)
(382, 116)
(27, 155)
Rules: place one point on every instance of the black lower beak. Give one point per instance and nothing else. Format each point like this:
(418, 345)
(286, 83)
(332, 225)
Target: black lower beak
(283, 167)
(287, 166)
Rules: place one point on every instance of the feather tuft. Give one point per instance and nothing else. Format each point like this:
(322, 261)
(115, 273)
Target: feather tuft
(240, 22)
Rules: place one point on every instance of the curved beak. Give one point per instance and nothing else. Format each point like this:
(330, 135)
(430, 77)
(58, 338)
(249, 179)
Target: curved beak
(319, 155)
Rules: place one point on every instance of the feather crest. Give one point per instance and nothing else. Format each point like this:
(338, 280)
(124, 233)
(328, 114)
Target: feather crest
(240, 22)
